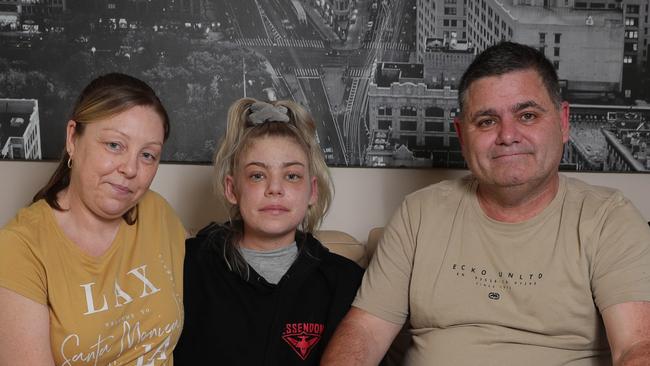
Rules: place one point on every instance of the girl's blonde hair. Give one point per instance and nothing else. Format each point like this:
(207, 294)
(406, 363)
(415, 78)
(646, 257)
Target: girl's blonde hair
(240, 133)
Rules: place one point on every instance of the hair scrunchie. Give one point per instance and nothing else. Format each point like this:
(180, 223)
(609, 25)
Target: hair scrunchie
(261, 112)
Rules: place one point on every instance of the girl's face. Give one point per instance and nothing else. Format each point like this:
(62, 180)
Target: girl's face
(272, 186)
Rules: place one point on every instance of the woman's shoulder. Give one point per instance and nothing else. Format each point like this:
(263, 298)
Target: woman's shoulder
(30, 220)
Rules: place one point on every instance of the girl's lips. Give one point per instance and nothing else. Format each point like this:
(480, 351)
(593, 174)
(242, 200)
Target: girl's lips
(274, 208)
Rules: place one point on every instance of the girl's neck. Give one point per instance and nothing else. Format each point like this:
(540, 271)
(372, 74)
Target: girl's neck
(267, 243)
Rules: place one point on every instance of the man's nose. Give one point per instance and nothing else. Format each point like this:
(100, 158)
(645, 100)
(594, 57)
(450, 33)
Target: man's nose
(508, 132)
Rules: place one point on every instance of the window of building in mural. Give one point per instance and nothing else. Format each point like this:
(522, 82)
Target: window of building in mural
(408, 125)
(385, 111)
(408, 111)
(384, 124)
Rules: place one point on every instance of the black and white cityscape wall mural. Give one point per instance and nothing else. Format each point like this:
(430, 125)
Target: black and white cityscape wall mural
(379, 76)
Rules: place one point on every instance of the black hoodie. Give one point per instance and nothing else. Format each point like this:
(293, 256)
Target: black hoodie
(231, 320)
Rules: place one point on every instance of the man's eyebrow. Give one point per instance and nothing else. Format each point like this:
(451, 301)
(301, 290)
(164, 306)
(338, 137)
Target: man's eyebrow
(515, 108)
(527, 104)
(483, 112)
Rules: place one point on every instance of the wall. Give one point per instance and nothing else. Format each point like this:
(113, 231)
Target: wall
(364, 198)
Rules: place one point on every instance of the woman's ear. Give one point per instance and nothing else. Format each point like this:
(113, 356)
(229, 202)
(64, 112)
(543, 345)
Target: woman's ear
(70, 137)
(229, 190)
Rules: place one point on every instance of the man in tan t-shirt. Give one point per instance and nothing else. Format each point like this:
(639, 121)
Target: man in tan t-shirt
(514, 264)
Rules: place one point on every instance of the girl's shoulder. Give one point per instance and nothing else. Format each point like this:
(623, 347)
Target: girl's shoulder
(211, 237)
(337, 263)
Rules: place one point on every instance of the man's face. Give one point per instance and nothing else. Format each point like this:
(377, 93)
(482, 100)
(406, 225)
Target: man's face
(511, 131)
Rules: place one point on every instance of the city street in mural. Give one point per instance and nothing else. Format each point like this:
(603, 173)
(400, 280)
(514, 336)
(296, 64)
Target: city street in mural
(381, 92)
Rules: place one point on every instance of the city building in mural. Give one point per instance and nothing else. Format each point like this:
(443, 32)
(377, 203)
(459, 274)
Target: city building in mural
(20, 136)
(379, 76)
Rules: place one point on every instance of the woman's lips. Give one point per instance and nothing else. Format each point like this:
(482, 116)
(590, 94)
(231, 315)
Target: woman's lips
(121, 189)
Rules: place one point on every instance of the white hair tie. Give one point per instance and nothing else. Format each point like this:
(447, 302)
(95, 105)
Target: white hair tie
(261, 112)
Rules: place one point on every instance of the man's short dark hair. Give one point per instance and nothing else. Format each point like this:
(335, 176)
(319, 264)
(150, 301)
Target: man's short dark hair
(505, 57)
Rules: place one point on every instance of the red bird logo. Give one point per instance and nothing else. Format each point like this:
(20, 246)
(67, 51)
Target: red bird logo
(302, 343)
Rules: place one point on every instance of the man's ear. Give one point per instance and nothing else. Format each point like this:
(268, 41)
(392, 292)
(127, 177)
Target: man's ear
(564, 121)
(70, 137)
(229, 190)
(457, 127)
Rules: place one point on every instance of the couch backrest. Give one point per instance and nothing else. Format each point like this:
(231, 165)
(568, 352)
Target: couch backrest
(343, 244)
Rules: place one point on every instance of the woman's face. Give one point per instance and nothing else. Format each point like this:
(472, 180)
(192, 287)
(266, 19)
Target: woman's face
(114, 161)
(273, 189)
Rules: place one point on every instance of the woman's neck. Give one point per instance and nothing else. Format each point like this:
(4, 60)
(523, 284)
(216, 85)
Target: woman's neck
(91, 233)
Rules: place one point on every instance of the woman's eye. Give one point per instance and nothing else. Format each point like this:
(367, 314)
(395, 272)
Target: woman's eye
(149, 156)
(115, 146)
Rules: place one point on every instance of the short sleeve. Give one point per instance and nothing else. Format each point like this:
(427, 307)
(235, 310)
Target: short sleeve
(384, 291)
(20, 270)
(621, 265)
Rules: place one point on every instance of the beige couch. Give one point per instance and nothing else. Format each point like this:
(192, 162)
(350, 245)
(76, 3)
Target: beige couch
(344, 244)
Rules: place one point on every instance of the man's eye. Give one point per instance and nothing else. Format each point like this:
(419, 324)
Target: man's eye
(486, 123)
(528, 116)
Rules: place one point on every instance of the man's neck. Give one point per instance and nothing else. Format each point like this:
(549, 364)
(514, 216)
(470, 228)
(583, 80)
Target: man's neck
(517, 203)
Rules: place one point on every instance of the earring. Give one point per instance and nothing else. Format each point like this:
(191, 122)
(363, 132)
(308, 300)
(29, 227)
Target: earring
(70, 162)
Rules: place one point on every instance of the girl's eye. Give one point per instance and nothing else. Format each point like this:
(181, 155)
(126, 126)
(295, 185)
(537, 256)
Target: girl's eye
(256, 177)
(293, 177)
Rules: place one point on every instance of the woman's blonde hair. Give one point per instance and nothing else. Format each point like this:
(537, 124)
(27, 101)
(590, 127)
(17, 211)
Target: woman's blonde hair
(241, 132)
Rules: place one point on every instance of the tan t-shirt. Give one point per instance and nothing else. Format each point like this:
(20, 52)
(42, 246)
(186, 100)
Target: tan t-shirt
(122, 308)
(478, 291)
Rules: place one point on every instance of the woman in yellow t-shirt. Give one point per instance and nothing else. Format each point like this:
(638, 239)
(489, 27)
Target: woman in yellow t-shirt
(90, 272)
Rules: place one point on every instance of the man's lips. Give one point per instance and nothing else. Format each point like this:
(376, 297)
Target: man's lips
(509, 154)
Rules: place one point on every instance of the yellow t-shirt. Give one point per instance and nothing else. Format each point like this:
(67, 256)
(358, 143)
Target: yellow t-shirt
(121, 308)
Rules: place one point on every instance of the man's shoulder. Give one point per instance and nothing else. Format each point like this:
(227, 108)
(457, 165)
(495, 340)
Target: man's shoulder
(452, 189)
(581, 191)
